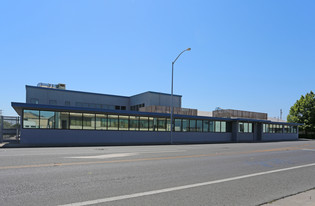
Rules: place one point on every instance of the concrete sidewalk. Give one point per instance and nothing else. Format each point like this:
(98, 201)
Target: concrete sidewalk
(304, 198)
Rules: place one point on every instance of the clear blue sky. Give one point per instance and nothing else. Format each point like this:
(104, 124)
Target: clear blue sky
(249, 55)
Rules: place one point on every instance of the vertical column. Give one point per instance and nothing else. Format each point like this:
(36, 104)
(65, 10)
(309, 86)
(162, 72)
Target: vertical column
(235, 131)
(1, 129)
(259, 131)
(255, 131)
(18, 129)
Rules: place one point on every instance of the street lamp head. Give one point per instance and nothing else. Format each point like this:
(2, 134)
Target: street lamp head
(188, 49)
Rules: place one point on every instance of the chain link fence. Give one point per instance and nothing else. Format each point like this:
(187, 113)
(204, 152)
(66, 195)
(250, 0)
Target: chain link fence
(9, 128)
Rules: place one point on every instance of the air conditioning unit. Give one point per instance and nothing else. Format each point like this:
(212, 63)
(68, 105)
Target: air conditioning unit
(61, 86)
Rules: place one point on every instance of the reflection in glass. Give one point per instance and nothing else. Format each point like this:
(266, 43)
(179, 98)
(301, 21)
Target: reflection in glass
(294, 129)
(161, 124)
(47, 119)
(223, 126)
(250, 127)
(199, 126)
(168, 124)
(152, 124)
(75, 120)
(245, 127)
(88, 121)
(62, 120)
(240, 127)
(205, 126)
(178, 125)
(134, 123)
(217, 126)
(211, 126)
(123, 122)
(101, 121)
(192, 125)
(144, 123)
(31, 119)
(112, 122)
(185, 125)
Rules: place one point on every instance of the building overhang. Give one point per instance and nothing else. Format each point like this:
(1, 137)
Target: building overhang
(19, 107)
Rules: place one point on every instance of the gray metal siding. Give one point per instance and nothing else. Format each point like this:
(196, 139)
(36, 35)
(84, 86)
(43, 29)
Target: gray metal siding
(245, 137)
(61, 96)
(150, 98)
(279, 137)
(95, 137)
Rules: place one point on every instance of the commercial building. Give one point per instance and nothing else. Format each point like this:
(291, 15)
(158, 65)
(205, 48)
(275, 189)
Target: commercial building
(56, 116)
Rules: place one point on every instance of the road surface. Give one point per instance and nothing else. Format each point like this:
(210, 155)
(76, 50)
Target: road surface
(203, 174)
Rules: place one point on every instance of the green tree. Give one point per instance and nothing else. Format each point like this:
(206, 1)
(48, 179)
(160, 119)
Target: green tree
(303, 111)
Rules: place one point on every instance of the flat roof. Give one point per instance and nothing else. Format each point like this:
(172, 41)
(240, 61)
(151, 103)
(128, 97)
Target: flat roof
(18, 107)
(64, 90)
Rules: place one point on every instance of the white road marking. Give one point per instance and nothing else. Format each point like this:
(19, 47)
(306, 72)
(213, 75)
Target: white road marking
(166, 151)
(106, 156)
(171, 189)
(309, 150)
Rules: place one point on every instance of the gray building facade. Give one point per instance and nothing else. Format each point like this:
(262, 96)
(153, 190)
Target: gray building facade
(46, 119)
(62, 97)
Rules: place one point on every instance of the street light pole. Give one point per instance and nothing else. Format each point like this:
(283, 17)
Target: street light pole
(172, 123)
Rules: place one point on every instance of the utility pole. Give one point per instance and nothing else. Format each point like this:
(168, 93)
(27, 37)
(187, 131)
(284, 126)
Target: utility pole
(280, 114)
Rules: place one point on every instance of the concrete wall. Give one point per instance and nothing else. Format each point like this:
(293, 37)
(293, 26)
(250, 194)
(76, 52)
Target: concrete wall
(95, 137)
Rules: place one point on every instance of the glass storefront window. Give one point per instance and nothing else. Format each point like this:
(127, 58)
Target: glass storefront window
(61, 120)
(88, 121)
(287, 129)
(178, 125)
(123, 122)
(223, 126)
(152, 124)
(31, 119)
(291, 129)
(161, 124)
(211, 124)
(112, 122)
(134, 123)
(185, 125)
(192, 125)
(47, 120)
(228, 126)
(250, 127)
(144, 123)
(294, 129)
(245, 127)
(205, 126)
(199, 126)
(240, 127)
(101, 122)
(168, 124)
(217, 126)
(75, 120)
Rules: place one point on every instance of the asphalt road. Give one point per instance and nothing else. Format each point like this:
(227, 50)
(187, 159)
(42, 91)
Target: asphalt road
(209, 174)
